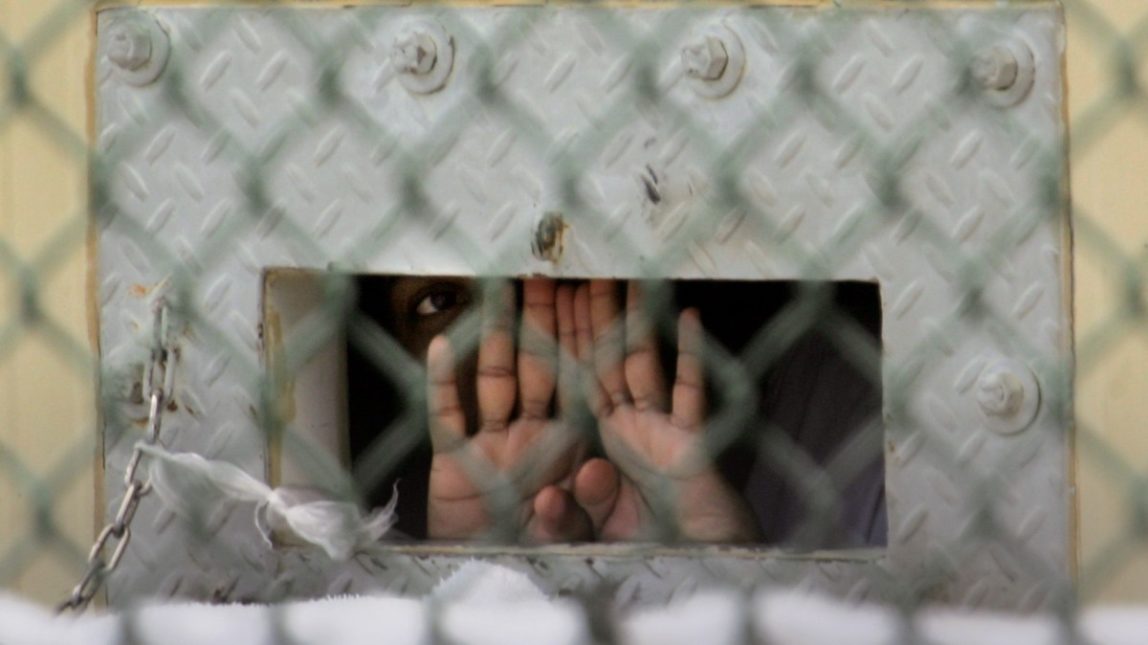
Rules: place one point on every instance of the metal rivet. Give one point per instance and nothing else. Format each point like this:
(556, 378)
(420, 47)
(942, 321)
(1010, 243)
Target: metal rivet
(995, 68)
(1004, 72)
(1008, 396)
(130, 46)
(548, 238)
(1000, 394)
(706, 59)
(415, 53)
(713, 61)
(139, 48)
(423, 56)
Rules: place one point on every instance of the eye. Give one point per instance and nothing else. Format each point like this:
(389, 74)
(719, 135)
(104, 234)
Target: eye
(440, 301)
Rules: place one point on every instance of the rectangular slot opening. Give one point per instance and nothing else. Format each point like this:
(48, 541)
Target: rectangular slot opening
(801, 446)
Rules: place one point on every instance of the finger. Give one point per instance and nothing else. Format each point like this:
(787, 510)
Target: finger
(447, 421)
(689, 385)
(596, 397)
(567, 349)
(557, 518)
(609, 340)
(596, 488)
(537, 349)
(496, 377)
(643, 368)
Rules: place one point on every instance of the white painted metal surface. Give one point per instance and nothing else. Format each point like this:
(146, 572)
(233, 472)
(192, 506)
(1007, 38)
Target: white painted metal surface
(383, 178)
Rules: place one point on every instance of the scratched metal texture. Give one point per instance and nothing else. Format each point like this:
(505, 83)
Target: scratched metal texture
(976, 517)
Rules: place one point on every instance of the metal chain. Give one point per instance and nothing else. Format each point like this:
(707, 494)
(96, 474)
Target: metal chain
(117, 534)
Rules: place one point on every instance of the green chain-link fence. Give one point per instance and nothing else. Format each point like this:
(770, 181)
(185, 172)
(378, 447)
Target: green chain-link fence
(809, 288)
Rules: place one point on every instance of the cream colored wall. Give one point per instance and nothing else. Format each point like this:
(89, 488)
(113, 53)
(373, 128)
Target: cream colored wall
(46, 402)
(1112, 390)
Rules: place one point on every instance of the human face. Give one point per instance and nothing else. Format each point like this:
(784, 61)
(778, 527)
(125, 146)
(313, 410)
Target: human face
(422, 307)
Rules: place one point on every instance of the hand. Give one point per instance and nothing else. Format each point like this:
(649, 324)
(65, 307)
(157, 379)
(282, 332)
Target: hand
(657, 459)
(532, 453)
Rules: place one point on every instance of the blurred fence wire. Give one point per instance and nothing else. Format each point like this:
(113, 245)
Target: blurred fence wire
(867, 207)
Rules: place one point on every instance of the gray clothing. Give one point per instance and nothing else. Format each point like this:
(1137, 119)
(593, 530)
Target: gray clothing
(818, 410)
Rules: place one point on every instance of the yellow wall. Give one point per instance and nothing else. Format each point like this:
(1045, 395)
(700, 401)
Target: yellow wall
(46, 398)
(46, 401)
(1112, 389)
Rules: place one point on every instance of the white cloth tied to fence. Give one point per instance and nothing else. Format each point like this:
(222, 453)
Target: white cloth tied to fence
(191, 485)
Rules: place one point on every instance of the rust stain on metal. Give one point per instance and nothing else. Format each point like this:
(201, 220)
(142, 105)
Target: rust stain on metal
(141, 290)
(548, 242)
(276, 355)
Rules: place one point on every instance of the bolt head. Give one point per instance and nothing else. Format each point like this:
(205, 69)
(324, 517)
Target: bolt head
(995, 69)
(415, 53)
(705, 59)
(130, 46)
(1000, 393)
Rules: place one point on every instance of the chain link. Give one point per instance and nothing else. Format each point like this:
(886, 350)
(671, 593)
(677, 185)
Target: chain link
(117, 534)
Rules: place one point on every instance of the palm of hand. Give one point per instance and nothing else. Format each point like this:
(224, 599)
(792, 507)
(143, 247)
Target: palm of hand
(659, 476)
(648, 440)
(664, 474)
(518, 456)
(514, 460)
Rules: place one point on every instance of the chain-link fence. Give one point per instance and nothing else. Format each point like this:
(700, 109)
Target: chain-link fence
(632, 298)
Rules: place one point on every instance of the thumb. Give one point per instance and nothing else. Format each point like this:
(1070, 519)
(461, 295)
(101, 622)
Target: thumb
(557, 518)
(596, 489)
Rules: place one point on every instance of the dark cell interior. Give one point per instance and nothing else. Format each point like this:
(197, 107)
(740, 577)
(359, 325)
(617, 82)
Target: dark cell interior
(818, 388)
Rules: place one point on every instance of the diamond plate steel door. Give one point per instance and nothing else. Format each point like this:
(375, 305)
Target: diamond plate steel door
(852, 145)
